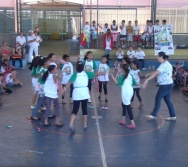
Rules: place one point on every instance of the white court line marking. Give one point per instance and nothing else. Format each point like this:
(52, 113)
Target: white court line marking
(99, 132)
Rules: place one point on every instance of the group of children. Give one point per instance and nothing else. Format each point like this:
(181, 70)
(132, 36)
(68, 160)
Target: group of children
(128, 34)
(48, 83)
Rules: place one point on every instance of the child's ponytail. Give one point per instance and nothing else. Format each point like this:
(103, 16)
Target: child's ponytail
(126, 69)
(45, 75)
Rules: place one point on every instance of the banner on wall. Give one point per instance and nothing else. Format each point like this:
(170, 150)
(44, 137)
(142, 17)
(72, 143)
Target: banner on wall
(163, 41)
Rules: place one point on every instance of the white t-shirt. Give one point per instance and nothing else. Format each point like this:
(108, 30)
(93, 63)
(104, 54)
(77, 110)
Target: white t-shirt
(68, 71)
(29, 38)
(120, 54)
(103, 68)
(136, 30)
(140, 55)
(86, 29)
(108, 44)
(131, 54)
(80, 84)
(88, 66)
(21, 40)
(37, 40)
(135, 75)
(94, 29)
(150, 29)
(114, 27)
(123, 31)
(104, 29)
(2, 69)
(8, 79)
(50, 87)
(127, 90)
(165, 76)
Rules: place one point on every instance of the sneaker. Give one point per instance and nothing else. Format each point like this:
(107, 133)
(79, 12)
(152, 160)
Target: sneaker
(89, 101)
(170, 119)
(70, 101)
(63, 102)
(122, 122)
(32, 107)
(131, 126)
(43, 108)
(150, 117)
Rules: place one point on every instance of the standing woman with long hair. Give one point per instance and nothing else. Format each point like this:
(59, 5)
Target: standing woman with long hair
(165, 81)
(51, 93)
(126, 81)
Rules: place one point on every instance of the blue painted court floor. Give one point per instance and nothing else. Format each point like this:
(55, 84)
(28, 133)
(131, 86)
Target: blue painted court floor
(154, 143)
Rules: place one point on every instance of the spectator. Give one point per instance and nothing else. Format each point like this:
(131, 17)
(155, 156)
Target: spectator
(131, 53)
(31, 39)
(16, 55)
(94, 30)
(123, 33)
(105, 28)
(38, 39)
(114, 30)
(136, 32)
(129, 34)
(140, 56)
(21, 41)
(11, 79)
(5, 52)
(108, 43)
(149, 37)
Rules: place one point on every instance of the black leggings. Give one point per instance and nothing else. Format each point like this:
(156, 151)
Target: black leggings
(104, 84)
(89, 84)
(76, 105)
(71, 90)
(137, 90)
(127, 108)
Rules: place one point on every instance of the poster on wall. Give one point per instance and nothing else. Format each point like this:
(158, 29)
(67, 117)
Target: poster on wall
(163, 39)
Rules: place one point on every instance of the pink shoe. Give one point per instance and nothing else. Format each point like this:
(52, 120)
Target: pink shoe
(131, 126)
(122, 122)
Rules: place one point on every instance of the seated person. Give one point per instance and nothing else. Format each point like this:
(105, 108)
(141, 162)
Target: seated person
(16, 55)
(5, 51)
(185, 88)
(3, 88)
(5, 68)
(11, 79)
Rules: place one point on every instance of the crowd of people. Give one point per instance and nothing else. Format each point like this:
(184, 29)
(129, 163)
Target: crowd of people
(127, 34)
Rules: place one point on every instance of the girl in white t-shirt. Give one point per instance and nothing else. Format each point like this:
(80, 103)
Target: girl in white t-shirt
(126, 81)
(119, 54)
(103, 77)
(89, 66)
(51, 93)
(80, 93)
(135, 72)
(67, 71)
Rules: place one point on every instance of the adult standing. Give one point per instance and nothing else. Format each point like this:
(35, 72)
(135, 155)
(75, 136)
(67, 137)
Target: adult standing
(21, 41)
(31, 39)
(165, 81)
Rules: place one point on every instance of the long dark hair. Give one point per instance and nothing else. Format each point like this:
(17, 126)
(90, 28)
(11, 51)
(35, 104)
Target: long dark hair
(135, 63)
(125, 67)
(163, 55)
(45, 75)
(85, 57)
(35, 62)
(127, 60)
